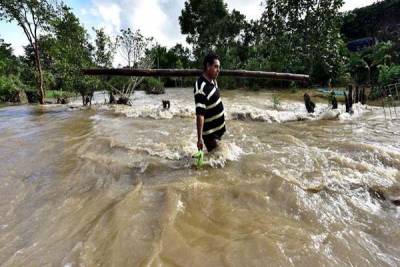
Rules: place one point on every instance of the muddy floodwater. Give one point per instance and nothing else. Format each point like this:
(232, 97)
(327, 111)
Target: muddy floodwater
(116, 185)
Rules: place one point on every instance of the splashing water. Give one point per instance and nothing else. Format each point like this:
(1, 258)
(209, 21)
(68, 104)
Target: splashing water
(115, 185)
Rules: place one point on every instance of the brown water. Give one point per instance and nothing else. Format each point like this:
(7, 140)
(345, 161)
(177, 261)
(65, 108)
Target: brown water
(116, 186)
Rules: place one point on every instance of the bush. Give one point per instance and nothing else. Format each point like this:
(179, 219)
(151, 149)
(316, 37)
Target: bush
(153, 86)
(389, 74)
(33, 96)
(276, 101)
(58, 94)
(293, 87)
(10, 88)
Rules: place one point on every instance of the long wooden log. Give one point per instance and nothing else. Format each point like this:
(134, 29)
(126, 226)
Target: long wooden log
(195, 72)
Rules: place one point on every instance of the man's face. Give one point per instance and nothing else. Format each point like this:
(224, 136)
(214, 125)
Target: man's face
(213, 69)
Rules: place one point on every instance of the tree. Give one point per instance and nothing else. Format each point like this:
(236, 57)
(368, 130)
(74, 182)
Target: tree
(33, 17)
(389, 74)
(104, 53)
(302, 36)
(365, 65)
(132, 46)
(177, 57)
(8, 61)
(10, 82)
(46, 44)
(183, 56)
(70, 52)
(210, 28)
(377, 20)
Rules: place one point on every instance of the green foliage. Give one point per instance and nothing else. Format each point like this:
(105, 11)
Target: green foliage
(276, 101)
(291, 36)
(10, 87)
(58, 94)
(210, 28)
(377, 20)
(65, 50)
(70, 50)
(33, 17)
(176, 57)
(302, 36)
(153, 86)
(374, 64)
(365, 65)
(293, 87)
(8, 62)
(153, 82)
(389, 74)
(10, 82)
(132, 46)
(331, 96)
(104, 49)
(85, 86)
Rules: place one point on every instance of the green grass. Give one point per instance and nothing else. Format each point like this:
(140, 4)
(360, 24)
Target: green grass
(57, 93)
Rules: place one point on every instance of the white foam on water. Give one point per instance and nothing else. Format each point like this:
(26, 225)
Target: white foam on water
(244, 108)
(99, 98)
(152, 111)
(329, 114)
(222, 154)
(180, 206)
(359, 110)
(290, 111)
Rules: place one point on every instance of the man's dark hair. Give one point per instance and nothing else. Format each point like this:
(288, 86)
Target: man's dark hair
(209, 59)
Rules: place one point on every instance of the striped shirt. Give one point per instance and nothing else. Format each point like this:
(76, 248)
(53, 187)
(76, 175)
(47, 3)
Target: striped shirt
(209, 104)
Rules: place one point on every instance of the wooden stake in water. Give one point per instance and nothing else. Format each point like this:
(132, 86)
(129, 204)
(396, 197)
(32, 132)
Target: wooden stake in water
(383, 106)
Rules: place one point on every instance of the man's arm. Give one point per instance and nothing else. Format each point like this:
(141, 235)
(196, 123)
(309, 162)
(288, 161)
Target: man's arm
(200, 124)
(201, 102)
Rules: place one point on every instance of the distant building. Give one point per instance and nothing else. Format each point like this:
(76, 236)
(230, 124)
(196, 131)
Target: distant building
(361, 44)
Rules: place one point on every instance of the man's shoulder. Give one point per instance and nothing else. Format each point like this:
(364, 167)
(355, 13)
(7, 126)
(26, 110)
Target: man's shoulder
(202, 82)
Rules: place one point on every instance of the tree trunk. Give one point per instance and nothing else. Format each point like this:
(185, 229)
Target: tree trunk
(346, 101)
(369, 75)
(194, 72)
(357, 95)
(40, 75)
(350, 97)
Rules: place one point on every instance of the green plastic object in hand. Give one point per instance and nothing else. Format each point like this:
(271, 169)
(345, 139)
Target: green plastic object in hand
(199, 156)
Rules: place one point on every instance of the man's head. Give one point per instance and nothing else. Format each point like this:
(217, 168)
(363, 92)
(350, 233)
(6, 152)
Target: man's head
(211, 65)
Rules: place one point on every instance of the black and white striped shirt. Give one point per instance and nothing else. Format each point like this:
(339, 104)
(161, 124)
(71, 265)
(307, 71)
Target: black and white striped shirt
(209, 104)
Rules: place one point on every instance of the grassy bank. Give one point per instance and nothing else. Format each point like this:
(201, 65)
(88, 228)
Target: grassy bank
(53, 94)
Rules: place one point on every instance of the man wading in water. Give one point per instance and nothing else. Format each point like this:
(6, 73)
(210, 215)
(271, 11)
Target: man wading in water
(210, 117)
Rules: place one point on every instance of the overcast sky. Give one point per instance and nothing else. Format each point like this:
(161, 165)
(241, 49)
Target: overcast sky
(157, 18)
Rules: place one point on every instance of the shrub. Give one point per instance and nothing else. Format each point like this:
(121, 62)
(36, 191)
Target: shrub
(10, 87)
(276, 101)
(389, 74)
(153, 86)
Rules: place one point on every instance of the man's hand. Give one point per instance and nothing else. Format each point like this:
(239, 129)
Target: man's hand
(200, 124)
(200, 144)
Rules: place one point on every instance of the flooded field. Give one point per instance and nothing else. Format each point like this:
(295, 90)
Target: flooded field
(116, 185)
